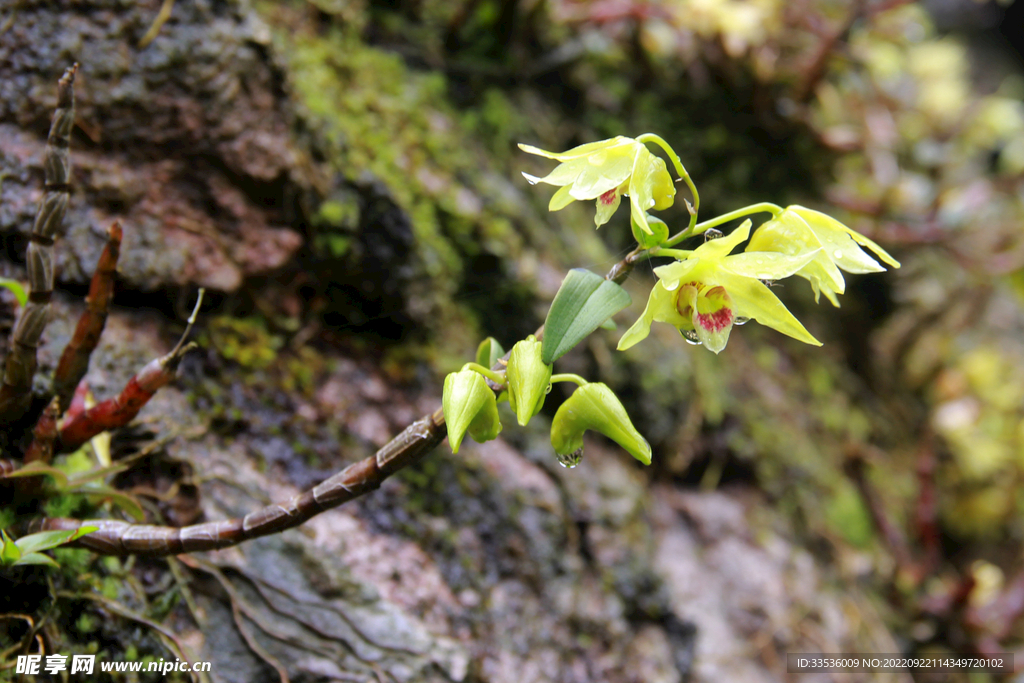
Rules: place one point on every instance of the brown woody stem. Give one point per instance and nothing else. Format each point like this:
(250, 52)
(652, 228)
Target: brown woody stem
(44, 434)
(115, 537)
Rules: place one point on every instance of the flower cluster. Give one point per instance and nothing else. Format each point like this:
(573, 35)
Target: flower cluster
(704, 292)
(709, 290)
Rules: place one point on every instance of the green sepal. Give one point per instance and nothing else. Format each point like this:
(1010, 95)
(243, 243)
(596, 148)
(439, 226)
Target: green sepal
(659, 232)
(469, 407)
(488, 353)
(9, 552)
(595, 406)
(528, 377)
(584, 301)
(16, 288)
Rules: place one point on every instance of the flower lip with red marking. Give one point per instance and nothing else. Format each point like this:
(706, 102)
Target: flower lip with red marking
(715, 321)
(709, 290)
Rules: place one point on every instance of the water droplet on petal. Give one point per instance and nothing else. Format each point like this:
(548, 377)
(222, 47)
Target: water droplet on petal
(838, 253)
(671, 286)
(548, 390)
(740, 320)
(597, 158)
(760, 261)
(691, 337)
(570, 460)
(764, 276)
(712, 234)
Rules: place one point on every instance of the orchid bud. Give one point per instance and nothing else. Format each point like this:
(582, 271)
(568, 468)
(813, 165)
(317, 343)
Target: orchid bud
(469, 406)
(528, 379)
(659, 232)
(595, 406)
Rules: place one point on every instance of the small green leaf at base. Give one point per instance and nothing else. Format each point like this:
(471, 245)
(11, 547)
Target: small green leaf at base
(28, 549)
(583, 303)
(488, 353)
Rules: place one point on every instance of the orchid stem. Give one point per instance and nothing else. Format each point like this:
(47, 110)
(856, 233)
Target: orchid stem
(680, 254)
(768, 207)
(568, 377)
(680, 170)
(495, 377)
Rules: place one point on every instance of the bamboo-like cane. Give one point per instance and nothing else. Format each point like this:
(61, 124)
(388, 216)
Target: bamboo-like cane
(20, 366)
(123, 538)
(118, 411)
(114, 537)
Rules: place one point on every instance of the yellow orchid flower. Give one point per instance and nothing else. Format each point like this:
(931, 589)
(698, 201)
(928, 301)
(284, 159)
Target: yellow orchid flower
(707, 293)
(799, 230)
(606, 171)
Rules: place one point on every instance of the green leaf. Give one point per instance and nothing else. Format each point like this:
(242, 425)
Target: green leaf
(80, 480)
(19, 291)
(488, 353)
(44, 540)
(119, 499)
(37, 468)
(583, 302)
(36, 558)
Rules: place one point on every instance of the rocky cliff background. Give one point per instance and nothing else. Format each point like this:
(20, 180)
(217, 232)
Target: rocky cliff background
(343, 178)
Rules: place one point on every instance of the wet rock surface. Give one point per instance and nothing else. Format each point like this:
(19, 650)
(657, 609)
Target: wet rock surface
(187, 142)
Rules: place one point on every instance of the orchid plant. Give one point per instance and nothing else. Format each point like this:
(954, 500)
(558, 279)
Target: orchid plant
(703, 292)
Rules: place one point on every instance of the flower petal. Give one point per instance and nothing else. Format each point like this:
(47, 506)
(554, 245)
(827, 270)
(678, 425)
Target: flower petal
(713, 318)
(647, 174)
(661, 307)
(606, 206)
(720, 248)
(767, 265)
(751, 299)
(841, 241)
(671, 274)
(563, 174)
(603, 171)
(581, 151)
(561, 199)
(788, 233)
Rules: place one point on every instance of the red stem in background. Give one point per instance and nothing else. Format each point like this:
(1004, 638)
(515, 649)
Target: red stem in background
(74, 362)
